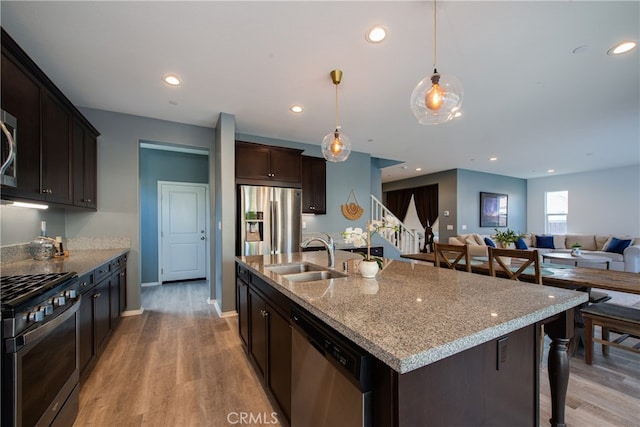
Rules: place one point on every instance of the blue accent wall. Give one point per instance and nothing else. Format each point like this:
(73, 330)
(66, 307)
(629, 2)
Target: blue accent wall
(471, 183)
(159, 165)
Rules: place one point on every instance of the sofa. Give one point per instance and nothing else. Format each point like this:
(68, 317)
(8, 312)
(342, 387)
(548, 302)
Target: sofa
(628, 260)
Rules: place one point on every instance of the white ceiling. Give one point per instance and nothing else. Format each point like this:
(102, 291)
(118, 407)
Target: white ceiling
(528, 99)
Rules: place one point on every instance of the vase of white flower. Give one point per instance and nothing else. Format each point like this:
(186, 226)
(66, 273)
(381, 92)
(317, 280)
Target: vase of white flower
(369, 266)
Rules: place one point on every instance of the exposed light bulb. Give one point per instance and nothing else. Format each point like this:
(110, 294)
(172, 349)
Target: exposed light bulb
(336, 145)
(435, 96)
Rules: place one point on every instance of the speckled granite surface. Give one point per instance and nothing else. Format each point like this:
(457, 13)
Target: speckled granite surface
(79, 261)
(412, 315)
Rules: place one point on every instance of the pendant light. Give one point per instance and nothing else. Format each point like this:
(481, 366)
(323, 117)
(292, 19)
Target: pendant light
(336, 146)
(437, 98)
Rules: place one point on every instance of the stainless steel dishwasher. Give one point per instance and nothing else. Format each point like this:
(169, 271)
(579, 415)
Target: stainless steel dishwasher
(331, 377)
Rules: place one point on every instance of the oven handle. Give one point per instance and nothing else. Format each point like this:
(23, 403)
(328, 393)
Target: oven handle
(16, 344)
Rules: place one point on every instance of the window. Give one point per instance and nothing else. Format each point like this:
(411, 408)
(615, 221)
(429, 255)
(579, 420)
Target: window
(556, 208)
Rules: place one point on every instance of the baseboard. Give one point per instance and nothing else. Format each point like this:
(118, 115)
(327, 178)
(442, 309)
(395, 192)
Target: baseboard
(128, 313)
(144, 285)
(219, 312)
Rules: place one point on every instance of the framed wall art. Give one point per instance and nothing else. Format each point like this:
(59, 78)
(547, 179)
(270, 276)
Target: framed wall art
(493, 210)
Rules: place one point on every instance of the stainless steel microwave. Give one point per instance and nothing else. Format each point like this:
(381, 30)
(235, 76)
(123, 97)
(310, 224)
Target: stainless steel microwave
(9, 169)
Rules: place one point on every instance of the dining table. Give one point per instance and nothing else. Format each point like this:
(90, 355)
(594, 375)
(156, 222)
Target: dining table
(559, 275)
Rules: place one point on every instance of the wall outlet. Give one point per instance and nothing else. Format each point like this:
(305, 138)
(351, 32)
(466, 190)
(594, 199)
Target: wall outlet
(464, 227)
(449, 227)
(445, 213)
(304, 224)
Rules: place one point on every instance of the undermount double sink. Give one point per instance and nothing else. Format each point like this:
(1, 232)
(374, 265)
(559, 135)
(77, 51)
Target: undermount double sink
(304, 272)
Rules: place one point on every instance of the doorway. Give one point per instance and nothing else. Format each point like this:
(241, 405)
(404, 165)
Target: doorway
(182, 231)
(160, 162)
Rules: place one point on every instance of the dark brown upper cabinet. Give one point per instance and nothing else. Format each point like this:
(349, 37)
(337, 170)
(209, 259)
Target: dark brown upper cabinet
(314, 185)
(52, 165)
(266, 165)
(84, 166)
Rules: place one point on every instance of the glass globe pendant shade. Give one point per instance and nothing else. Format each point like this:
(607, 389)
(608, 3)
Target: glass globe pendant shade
(336, 146)
(436, 99)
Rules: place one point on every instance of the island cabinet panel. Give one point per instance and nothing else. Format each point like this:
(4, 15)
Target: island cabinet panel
(242, 301)
(267, 165)
(279, 357)
(258, 333)
(495, 383)
(314, 185)
(264, 327)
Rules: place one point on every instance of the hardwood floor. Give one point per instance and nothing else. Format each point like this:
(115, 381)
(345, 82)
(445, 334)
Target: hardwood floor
(178, 364)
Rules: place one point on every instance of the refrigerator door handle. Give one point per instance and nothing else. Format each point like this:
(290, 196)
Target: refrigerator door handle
(274, 228)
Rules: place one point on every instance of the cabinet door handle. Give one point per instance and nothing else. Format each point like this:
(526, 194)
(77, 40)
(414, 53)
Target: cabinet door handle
(97, 295)
(47, 191)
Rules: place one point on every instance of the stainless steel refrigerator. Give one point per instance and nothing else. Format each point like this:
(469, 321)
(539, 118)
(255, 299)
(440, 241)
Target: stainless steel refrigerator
(269, 220)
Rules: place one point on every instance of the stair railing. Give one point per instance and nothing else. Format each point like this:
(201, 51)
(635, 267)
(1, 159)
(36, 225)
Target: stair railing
(405, 240)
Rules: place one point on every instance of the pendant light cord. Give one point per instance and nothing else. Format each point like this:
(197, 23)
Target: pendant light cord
(435, 34)
(336, 106)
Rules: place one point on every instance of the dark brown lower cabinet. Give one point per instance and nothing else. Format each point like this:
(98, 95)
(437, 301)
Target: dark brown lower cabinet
(100, 310)
(269, 345)
(87, 350)
(258, 333)
(279, 358)
(101, 313)
(242, 299)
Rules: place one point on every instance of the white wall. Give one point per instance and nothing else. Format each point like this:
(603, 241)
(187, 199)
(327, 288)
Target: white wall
(600, 202)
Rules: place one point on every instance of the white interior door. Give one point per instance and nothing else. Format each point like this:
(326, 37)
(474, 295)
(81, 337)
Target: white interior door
(183, 232)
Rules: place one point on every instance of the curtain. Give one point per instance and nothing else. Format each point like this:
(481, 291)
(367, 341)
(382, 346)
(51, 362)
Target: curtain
(398, 202)
(426, 199)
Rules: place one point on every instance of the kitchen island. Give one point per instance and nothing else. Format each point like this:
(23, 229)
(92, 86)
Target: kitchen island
(450, 347)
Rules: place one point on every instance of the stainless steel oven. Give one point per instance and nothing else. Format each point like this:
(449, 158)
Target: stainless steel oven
(9, 134)
(40, 336)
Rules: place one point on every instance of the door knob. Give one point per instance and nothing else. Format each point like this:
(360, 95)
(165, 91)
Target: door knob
(202, 238)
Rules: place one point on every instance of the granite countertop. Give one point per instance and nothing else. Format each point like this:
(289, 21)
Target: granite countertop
(80, 261)
(412, 315)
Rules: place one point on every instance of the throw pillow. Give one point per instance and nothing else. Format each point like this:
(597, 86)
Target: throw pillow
(521, 244)
(479, 239)
(617, 245)
(471, 242)
(544, 242)
(489, 242)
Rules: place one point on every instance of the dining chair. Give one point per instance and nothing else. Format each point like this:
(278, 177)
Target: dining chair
(445, 252)
(525, 261)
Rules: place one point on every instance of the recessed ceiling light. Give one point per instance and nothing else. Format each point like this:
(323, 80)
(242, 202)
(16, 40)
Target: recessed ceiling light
(376, 34)
(493, 159)
(551, 170)
(418, 169)
(622, 48)
(296, 108)
(171, 80)
(580, 50)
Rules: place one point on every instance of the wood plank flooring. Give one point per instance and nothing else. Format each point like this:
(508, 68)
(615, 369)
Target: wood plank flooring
(178, 364)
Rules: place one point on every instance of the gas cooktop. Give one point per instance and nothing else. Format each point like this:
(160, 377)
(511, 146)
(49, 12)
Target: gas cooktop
(18, 290)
